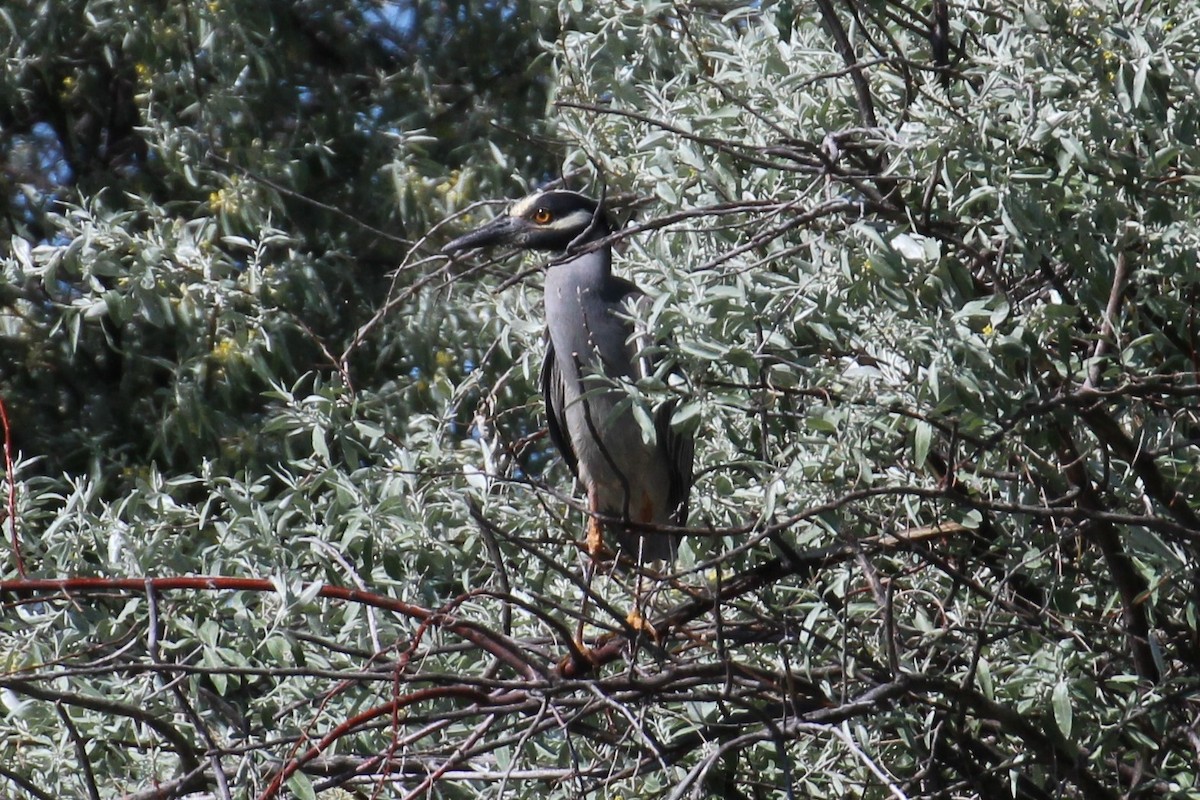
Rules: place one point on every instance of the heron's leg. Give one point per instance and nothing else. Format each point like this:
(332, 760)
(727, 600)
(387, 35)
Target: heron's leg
(594, 544)
(589, 572)
(636, 619)
(637, 616)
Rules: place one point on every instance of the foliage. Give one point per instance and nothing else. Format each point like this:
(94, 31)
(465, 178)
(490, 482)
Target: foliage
(931, 273)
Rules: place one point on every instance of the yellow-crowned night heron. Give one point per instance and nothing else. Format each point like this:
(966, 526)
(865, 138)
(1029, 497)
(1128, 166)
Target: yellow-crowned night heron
(593, 345)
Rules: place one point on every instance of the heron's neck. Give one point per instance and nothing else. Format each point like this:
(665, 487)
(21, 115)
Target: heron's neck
(586, 271)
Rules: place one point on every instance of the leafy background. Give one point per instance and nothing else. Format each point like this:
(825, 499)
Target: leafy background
(282, 518)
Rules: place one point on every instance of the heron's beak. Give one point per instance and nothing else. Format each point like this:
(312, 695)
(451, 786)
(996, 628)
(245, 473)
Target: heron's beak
(501, 230)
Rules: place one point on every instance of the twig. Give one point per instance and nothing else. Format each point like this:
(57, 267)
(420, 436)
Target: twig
(10, 476)
(152, 649)
(1111, 313)
(85, 765)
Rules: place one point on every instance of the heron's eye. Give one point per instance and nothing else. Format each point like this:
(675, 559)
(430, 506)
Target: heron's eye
(542, 216)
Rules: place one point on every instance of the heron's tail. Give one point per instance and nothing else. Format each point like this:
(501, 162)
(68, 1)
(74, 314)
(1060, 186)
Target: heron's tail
(643, 546)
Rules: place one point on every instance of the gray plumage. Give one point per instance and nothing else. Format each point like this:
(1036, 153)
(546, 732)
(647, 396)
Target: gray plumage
(592, 344)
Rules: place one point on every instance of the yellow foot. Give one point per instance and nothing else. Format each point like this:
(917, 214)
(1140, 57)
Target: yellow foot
(578, 661)
(594, 543)
(641, 624)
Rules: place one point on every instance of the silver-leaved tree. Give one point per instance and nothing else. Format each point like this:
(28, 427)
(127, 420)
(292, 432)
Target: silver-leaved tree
(282, 519)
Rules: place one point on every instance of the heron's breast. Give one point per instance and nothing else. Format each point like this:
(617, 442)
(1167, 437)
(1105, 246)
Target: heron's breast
(588, 334)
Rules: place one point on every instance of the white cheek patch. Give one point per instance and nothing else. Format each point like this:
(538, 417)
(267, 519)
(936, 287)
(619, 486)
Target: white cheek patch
(524, 207)
(575, 221)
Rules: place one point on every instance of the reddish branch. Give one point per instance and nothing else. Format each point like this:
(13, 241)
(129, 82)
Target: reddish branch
(805, 708)
(356, 722)
(10, 477)
(491, 642)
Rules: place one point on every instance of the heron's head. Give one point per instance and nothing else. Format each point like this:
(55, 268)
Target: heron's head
(549, 220)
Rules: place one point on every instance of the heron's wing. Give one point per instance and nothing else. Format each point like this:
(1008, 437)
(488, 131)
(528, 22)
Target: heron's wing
(555, 394)
(678, 446)
(680, 449)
